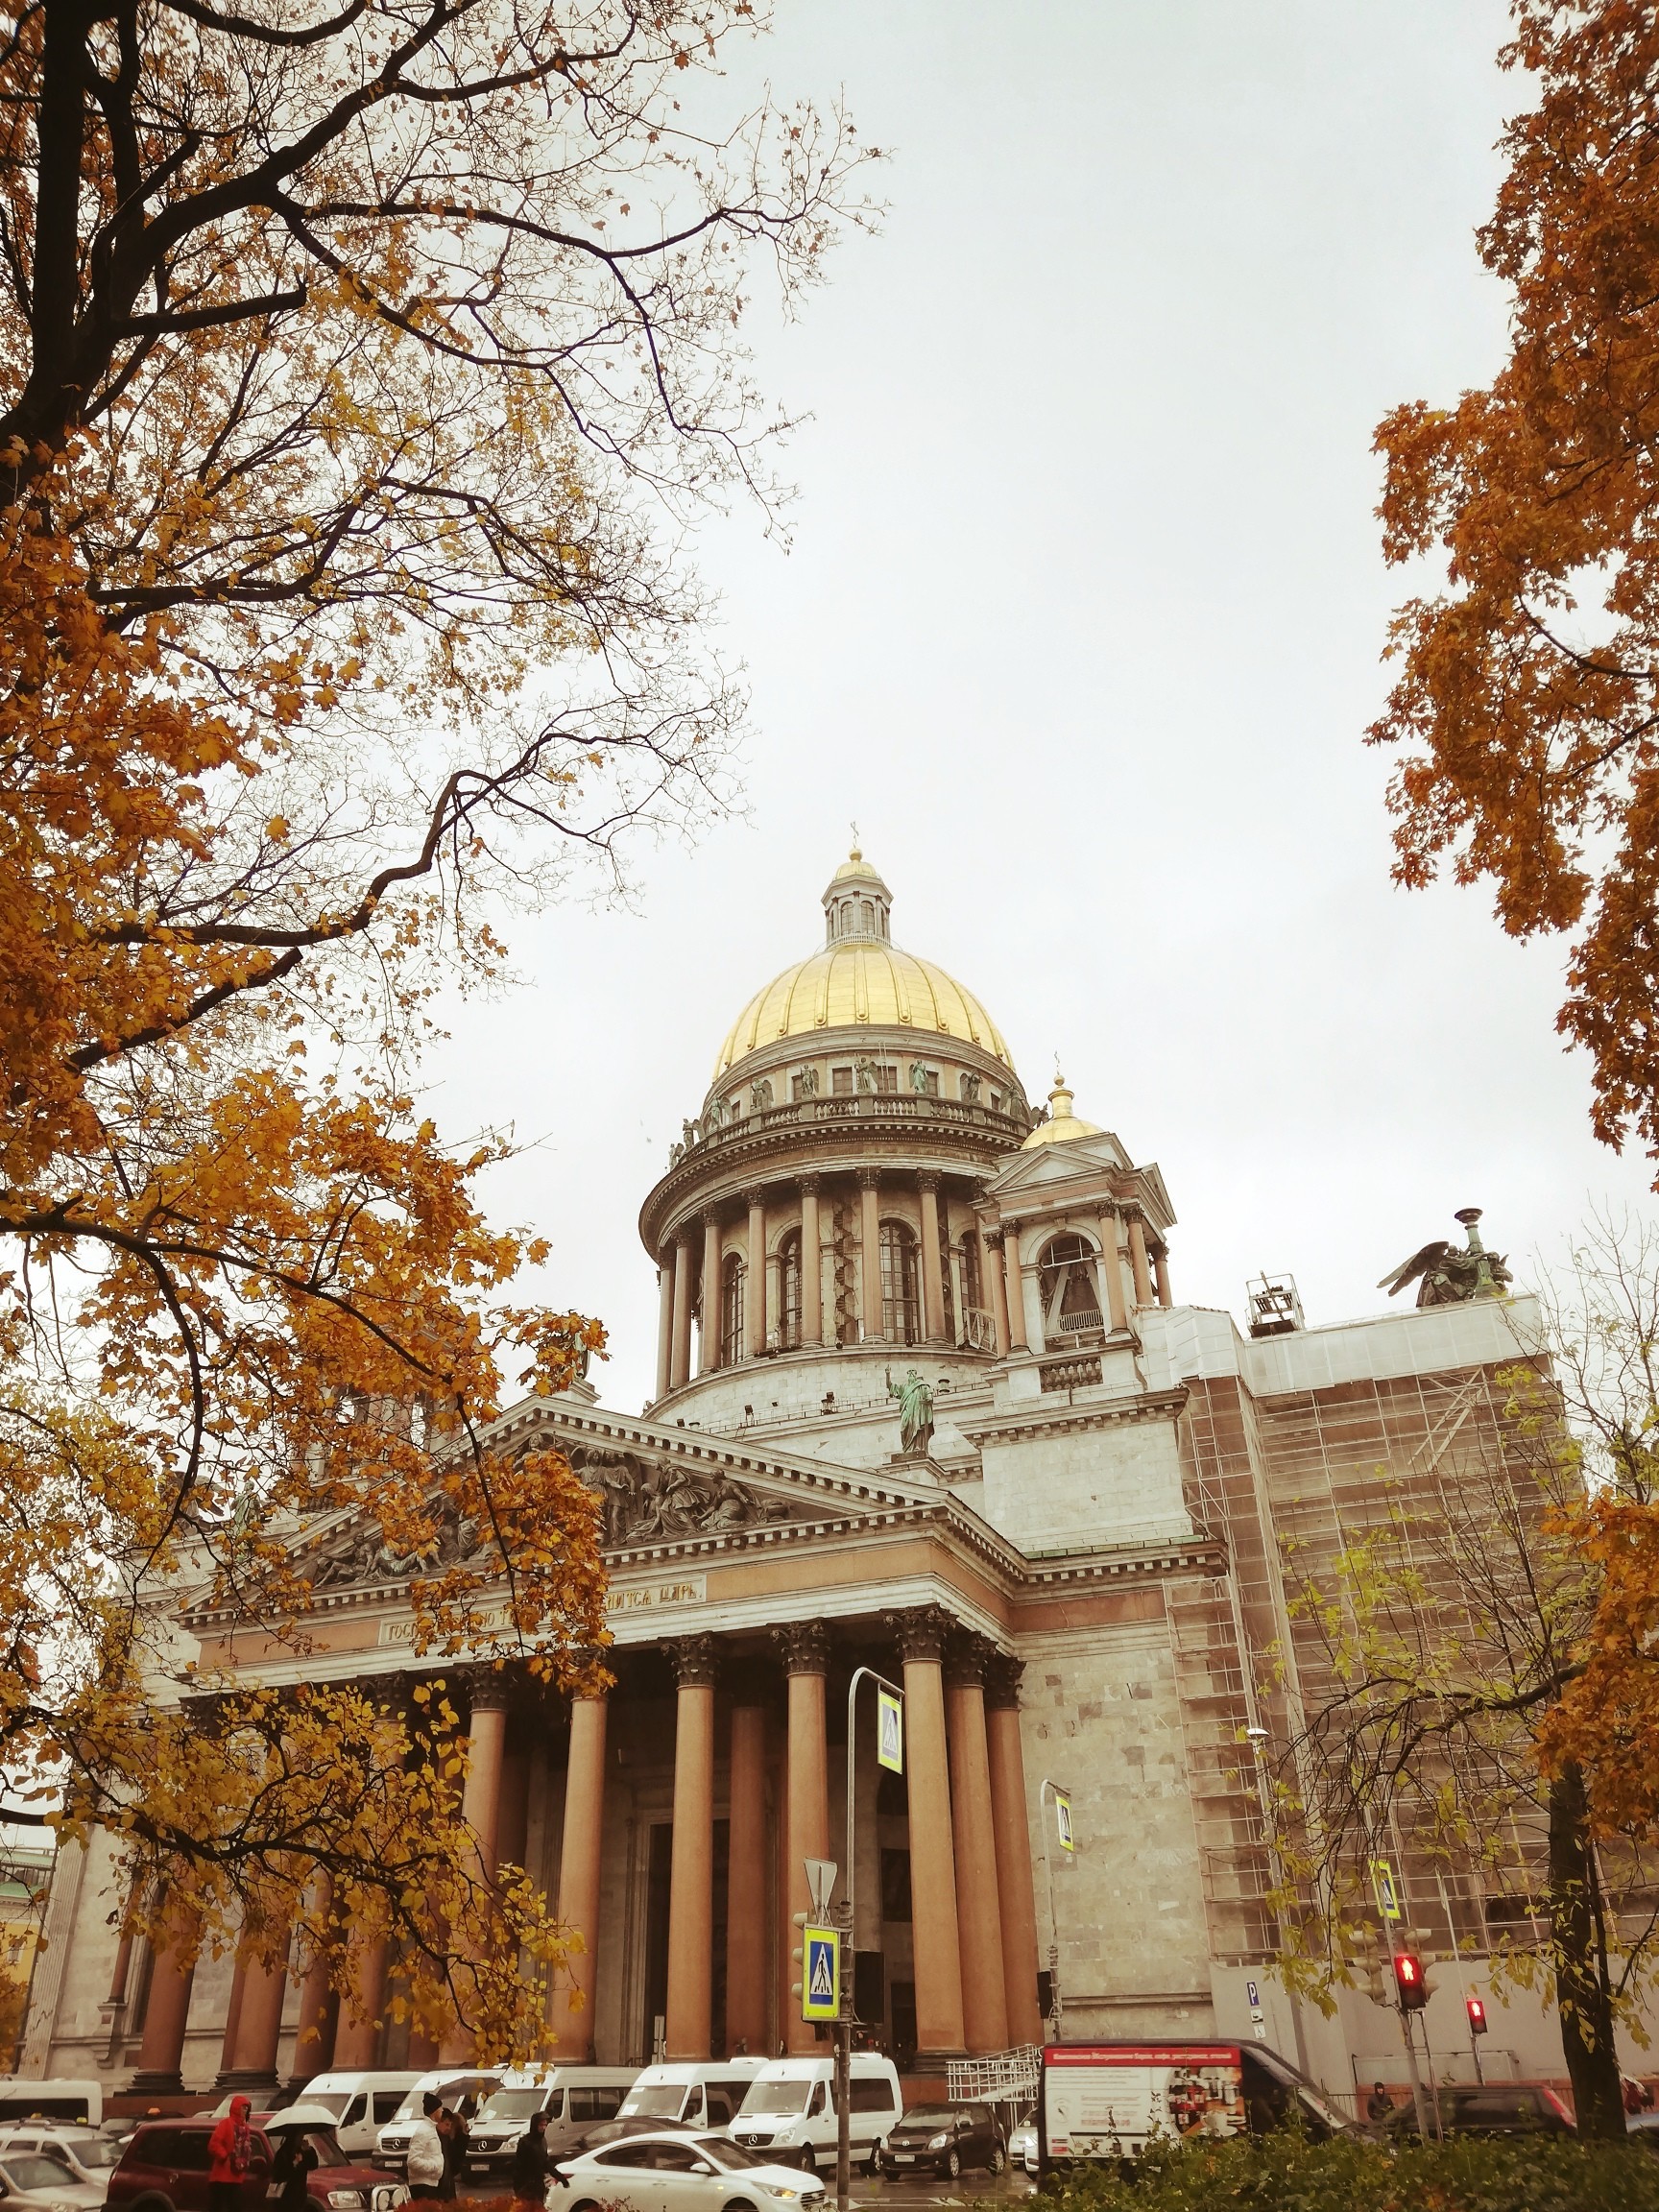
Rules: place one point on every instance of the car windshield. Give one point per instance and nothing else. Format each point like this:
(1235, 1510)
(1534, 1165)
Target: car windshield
(927, 2115)
(89, 2149)
(662, 2098)
(732, 2155)
(777, 2095)
(33, 2171)
(514, 2104)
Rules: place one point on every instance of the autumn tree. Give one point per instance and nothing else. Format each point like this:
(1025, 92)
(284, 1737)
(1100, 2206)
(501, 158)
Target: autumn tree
(1527, 704)
(1480, 1694)
(364, 368)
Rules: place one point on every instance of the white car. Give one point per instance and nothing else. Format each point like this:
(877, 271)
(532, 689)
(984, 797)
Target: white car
(86, 2151)
(1022, 2142)
(32, 2182)
(687, 2171)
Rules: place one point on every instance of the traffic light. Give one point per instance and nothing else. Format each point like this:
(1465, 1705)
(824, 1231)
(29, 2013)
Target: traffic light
(1475, 2009)
(1408, 1982)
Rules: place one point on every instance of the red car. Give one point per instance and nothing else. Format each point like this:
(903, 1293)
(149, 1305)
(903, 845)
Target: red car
(165, 2169)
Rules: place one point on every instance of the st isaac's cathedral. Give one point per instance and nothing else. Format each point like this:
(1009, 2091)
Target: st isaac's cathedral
(926, 1401)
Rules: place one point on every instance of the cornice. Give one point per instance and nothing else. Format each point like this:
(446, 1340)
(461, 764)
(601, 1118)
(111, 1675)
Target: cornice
(948, 1137)
(1014, 1427)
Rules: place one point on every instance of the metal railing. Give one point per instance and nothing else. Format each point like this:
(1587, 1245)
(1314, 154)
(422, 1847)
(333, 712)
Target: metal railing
(994, 2079)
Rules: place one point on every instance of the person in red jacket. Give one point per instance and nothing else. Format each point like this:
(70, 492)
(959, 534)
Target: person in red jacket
(230, 2154)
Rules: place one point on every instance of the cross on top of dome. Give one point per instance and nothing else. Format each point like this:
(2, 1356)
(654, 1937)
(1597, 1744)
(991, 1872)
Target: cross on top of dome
(857, 903)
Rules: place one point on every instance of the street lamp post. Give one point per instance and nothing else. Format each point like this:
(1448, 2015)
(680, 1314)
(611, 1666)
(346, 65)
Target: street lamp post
(1062, 1825)
(848, 1922)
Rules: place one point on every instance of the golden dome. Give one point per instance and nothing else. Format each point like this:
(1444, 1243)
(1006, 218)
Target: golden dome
(1062, 1124)
(859, 984)
(860, 980)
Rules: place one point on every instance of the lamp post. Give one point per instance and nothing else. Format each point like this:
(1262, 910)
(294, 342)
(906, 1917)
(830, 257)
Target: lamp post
(891, 1756)
(1063, 1831)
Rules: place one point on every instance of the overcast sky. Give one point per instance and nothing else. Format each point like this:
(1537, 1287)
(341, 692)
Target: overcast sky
(1082, 623)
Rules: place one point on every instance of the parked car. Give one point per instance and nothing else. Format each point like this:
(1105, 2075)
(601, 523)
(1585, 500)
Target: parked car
(613, 2131)
(87, 2151)
(361, 2104)
(1023, 2141)
(706, 2092)
(30, 2181)
(574, 2098)
(452, 2084)
(679, 2170)
(946, 2137)
(23, 2098)
(790, 2109)
(165, 2169)
(1497, 2108)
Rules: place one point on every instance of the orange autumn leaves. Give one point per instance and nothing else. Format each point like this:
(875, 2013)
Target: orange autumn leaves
(1527, 704)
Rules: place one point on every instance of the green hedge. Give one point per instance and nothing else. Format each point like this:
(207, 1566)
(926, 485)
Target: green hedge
(1285, 2172)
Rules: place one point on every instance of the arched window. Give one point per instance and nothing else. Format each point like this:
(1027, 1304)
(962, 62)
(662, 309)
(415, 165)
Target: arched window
(1071, 1297)
(732, 1276)
(973, 1289)
(790, 1291)
(901, 1307)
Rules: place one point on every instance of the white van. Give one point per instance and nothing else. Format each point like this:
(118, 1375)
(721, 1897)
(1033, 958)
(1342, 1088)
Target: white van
(361, 2104)
(22, 2098)
(452, 2084)
(790, 2109)
(702, 2092)
(574, 2098)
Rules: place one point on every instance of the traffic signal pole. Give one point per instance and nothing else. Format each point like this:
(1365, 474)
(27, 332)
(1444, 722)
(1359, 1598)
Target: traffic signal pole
(1417, 2103)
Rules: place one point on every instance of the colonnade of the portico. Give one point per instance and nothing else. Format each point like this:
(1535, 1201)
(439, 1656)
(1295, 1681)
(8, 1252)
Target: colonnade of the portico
(1132, 1267)
(973, 1930)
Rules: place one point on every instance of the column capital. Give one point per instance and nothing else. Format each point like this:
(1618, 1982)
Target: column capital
(1002, 1673)
(927, 1179)
(695, 1660)
(921, 1634)
(992, 1239)
(966, 1657)
(711, 1219)
(869, 1178)
(804, 1646)
(755, 1197)
(489, 1689)
(811, 1184)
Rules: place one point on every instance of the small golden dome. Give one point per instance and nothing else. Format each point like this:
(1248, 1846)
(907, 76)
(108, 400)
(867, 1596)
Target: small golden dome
(860, 980)
(1062, 1124)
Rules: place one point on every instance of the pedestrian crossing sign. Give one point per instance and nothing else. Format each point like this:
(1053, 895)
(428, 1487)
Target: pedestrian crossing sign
(821, 1975)
(889, 1731)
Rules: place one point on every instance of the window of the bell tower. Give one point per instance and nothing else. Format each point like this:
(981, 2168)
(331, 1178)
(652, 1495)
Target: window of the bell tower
(901, 1305)
(1071, 1298)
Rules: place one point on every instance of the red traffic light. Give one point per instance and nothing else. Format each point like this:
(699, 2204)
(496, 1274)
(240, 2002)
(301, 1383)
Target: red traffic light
(1408, 1981)
(1477, 2012)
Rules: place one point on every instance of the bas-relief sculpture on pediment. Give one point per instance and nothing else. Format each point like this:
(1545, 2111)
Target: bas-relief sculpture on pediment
(642, 1501)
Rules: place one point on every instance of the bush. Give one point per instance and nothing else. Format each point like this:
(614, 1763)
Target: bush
(1285, 2172)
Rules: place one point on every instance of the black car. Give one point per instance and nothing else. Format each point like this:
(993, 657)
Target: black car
(1497, 2108)
(946, 2137)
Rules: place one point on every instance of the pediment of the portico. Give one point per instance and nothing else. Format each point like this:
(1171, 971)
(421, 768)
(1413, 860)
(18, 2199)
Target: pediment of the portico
(657, 1489)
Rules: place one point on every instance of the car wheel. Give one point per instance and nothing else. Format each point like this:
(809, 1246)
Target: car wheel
(950, 2165)
(738, 2204)
(806, 2162)
(153, 2202)
(997, 2160)
(587, 2205)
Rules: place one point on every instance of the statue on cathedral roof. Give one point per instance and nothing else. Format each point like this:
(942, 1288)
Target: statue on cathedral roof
(915, 1413)
(1448, 1274)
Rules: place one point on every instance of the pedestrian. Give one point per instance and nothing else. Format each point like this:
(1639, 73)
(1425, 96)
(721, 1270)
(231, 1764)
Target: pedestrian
(1379, 2104)
(425, 2169)
(230, 2154)
(291, 2171)
(530, 2164)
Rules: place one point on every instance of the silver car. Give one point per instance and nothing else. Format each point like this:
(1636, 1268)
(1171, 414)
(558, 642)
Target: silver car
(34, 2182)
(86, 2151)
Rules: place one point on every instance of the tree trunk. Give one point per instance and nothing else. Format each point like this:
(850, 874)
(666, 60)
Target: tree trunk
(1582, 1994)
